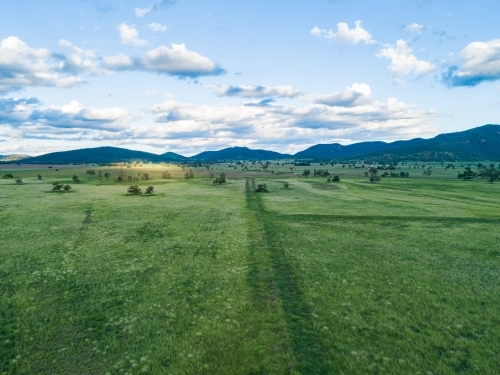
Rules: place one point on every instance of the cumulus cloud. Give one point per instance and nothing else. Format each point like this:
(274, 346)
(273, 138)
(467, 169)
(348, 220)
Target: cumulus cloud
(479, 62)
(74, 115)
(356, 95)
(26, 117)
(130, 35)
(23, 66)
(14, 111)
(415, 27)
(176, 61)
(344, 34)
(141, 12)
(257, 91)
(157, 27)
(403, 62)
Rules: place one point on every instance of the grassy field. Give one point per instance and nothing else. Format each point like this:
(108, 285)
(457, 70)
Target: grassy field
(398, 277)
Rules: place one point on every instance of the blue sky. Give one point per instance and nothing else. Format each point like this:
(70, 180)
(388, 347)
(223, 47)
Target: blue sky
(188, 75)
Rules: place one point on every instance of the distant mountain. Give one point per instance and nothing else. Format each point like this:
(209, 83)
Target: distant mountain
(338, 151)
(239, 153)
(475, 144)
(173, 156)
(481, 143)
(13, 157)
(96, 155)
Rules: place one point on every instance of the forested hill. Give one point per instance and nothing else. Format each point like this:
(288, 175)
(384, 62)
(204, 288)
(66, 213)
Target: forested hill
(479, 143)
(240, 153)
(97, 155)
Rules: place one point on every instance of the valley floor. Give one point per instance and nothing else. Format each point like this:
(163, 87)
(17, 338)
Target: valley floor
(398, 277)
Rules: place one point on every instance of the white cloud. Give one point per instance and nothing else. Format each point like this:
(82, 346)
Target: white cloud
(415, 27)
(344, 34)
(257, 91)
(356, 95)
(141, 12)
(22, 66)
(69, 82)
(120, 61)
(403, 62)
(177, 61)
(157, 27)
(351, 117)
(129, 35)
(479, 62)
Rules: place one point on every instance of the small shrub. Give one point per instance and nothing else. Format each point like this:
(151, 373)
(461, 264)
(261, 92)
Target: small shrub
(39, 177)
(286, 185)
(166, 174)
(8, 175)
(19, 181)
(149, 190)
(336, 178)
(75, 179)
(66, 188)
(134, 189)
(261, 188)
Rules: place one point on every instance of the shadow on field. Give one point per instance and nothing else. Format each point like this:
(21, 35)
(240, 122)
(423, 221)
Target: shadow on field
(308, 350)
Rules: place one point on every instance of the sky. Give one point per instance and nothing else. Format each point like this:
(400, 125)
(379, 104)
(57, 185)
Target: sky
(190, 75)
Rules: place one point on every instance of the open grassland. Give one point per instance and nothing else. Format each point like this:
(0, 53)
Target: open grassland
(398, 277)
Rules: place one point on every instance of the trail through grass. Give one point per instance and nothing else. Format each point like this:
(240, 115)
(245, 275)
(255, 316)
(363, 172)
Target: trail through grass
(400, 277)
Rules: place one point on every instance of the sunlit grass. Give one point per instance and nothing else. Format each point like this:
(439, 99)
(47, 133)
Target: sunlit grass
(400, 277)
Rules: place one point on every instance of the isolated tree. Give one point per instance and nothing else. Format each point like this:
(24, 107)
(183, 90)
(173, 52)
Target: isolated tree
(39, 177)
(306, 172)
(265, 166)
(145, 176)
(90, 172)
(19, 181)
(166, 174)
(427, 172)
(107, 176)
(291, 169)
(149, 190)
(261, 188)
(286, 185)
(8, 175)
(493, 175)
(336, 178)
(99, 175)
(207, 166)
(66, 188)
(373, 175)
(75, 178)
(56, 186)
(134, 189)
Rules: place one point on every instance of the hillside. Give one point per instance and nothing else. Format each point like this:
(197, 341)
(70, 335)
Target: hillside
(474, 144)
(239, 153)
(173, 156)
(95, 155)
(481, 143)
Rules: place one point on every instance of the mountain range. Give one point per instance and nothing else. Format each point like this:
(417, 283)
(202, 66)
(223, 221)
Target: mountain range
(481, 143)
